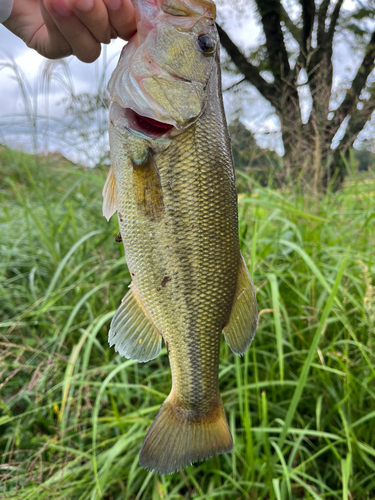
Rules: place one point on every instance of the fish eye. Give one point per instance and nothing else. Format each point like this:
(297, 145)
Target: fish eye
(206, 44)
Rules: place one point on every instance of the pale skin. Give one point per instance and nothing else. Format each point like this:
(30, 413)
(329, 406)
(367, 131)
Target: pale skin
(60, 28)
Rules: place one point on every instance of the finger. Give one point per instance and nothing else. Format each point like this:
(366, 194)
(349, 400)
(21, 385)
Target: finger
(93, 14)
(48, 40)
(122, 17)
(84, 46)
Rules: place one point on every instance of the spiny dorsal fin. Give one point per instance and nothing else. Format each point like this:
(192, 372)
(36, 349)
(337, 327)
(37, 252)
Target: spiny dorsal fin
(132, 332)
(109, 195)
(240, 330)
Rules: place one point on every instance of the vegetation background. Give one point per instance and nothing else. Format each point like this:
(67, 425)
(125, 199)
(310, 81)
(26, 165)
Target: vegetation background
(300, 403)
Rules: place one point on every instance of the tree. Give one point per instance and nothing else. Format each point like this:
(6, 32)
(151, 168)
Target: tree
(276, 70)
(263, 165)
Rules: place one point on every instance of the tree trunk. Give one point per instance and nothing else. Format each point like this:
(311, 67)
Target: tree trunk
(308, 147)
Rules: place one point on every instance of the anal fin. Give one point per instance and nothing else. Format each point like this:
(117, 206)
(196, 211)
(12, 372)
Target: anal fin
(132, 332)
(240, 329)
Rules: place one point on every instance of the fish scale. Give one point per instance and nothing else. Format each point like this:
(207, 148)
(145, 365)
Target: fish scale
(204, 288)
(176, 199)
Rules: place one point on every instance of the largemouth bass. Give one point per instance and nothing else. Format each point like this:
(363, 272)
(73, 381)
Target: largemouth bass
(172, 184)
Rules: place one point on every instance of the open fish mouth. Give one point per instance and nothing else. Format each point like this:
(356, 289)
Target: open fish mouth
(126, 120)
(145, 125)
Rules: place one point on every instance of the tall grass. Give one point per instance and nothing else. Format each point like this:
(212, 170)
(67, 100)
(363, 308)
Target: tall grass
(50, 113)
(300, 403)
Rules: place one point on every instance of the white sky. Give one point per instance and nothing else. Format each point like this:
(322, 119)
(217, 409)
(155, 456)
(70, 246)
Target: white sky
(15, 116)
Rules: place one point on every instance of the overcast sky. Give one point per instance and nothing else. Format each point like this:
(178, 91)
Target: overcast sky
(16, 114)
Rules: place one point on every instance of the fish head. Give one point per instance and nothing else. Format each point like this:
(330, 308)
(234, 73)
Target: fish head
(164, 70)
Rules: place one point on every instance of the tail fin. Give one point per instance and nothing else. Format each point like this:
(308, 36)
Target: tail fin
(175, 439)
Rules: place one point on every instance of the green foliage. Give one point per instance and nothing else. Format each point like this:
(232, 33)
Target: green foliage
(263, 165)
(365, 159)
(300, 403)
(89, 113)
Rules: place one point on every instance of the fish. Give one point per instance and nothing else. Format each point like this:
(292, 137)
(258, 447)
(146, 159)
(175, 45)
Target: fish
(172, 184)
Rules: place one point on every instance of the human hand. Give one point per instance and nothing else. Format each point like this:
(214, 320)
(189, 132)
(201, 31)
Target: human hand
(59, 28)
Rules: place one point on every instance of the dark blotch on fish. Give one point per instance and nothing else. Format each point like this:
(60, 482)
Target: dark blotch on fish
(165, 281)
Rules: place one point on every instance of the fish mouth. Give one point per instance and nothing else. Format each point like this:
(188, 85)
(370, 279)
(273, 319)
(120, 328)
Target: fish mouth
(145, 125)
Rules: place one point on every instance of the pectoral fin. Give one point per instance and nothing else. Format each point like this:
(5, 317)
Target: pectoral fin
(147, 188)
(132, 332)
(109, 195)
(240, 329)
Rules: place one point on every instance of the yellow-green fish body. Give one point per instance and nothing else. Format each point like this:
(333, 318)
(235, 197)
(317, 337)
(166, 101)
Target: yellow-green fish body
(174, 190)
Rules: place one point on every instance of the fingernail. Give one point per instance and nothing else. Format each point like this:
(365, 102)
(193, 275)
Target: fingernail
(84, 5)
(113, 4)
(60, 7)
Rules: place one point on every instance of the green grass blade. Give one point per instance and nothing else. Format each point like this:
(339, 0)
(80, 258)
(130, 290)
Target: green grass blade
(312, 351)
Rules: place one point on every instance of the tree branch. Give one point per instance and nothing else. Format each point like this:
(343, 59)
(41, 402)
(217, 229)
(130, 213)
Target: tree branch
(308, 15)
(248, 70)
(352, 96)
(322, 16)
(234, 85)
(358, 120)
(333, 21)
(291, 27)
(319, 65)
(270, 13)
